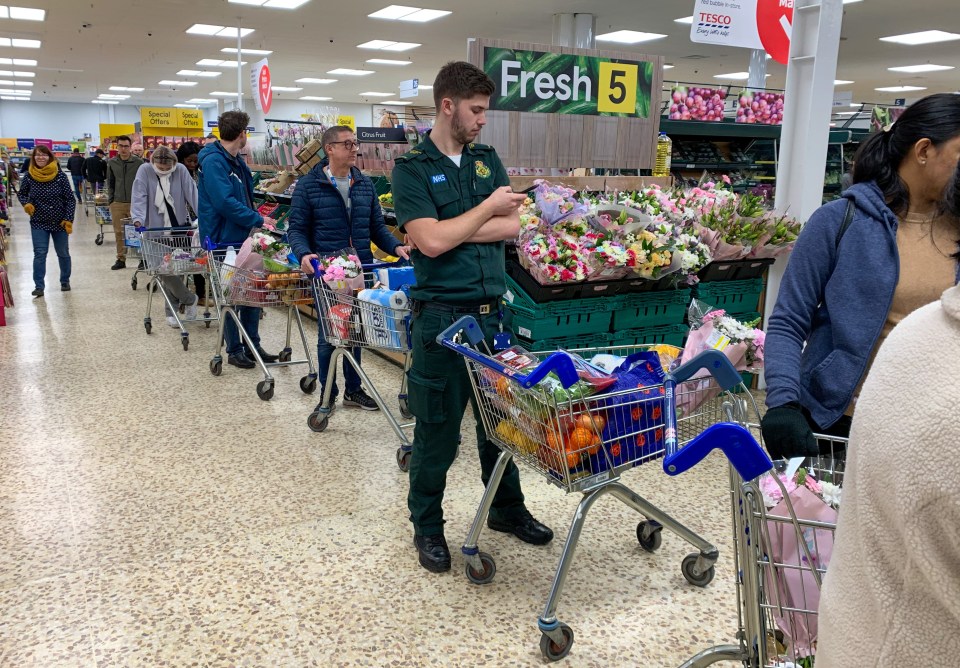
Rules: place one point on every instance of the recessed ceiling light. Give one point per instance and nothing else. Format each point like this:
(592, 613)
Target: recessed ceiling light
(375, 44)
(397, 102)
(841, 82)
(24, 13)
(104, 102)
(316, 81)
(401, 46)
(188, 73)
(629, 36)
(18, 61)
(850, 2)
(14, 91)
(250, 52)
(221, 93)
(422, 87)
(923, 37)
(275, 4)
(315, 98)
(28, 75)
(108, 96)
(211, 62)
(201, 100)
(386, 61)
(404, 13)
(186, 106)
(371, 93)
(133, 90)
(203, 29)
(668, 67)
(171, 82)
(734, 76)
(11, 98)
(686, 19)
(285, 89)
(232, 32)
(915, 69)
(899, 89)
(255, 3)
(20, 43)
(345, 71)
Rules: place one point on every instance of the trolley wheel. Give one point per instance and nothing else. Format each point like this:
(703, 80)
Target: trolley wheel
(216, 367)
(285, 355)
(99, 240)
(308, 384)
(185, 340)
(687, 566)
(651, 544)
(147, 325)
(404, 408)
(318, 421)
(133, 282)
(207, 323)
(552, 651)
(403, 459)
(484, 576)
(265, 390)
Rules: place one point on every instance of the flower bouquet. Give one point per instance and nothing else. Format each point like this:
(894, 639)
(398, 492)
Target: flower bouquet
(273, 250)
(559, 254)
(342, 272)
(781, 235)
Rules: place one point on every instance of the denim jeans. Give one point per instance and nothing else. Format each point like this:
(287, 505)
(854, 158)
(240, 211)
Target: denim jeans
(41, 245)
(77, 182)
(250, 319)
(350, 376)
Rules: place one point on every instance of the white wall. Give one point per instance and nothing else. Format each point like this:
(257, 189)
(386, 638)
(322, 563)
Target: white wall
(60, 120)
(290, 110)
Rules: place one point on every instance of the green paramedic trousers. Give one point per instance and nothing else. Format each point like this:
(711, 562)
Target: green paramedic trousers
(438, 391)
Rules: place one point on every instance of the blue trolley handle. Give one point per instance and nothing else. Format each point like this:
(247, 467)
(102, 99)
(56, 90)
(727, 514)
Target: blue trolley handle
(734, 440)
(559, 363)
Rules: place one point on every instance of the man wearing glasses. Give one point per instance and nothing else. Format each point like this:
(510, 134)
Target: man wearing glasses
(121, 171)
(335, 206)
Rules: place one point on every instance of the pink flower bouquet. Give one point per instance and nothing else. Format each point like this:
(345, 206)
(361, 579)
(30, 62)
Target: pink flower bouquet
(343, 272)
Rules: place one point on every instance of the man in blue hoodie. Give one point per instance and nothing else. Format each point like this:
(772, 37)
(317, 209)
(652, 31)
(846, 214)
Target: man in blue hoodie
(227, 216)
(335, 206)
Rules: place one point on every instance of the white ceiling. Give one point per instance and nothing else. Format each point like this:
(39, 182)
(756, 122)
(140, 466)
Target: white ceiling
(140, 42)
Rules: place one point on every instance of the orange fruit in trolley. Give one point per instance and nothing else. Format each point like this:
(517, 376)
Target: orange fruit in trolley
(595, 422)
(503, 386)
(581, 439)
(573, 459)
(554, 441)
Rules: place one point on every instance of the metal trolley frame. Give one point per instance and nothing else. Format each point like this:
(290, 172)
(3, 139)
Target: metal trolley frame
(348, 322)
(169, 251)
(536, 422)
(235, 286)
(762, 641)
(103, 219)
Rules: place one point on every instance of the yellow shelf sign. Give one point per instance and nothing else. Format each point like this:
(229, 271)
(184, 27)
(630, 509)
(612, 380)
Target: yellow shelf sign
(348, 121)
(154, 119)
(190, 118)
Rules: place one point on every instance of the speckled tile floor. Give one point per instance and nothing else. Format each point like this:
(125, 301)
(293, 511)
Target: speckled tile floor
(152, 514)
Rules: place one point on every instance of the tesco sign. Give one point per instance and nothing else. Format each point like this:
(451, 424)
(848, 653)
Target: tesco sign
(750, 24)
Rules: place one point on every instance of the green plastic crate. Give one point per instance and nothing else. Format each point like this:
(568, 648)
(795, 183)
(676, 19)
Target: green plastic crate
(731, 296)
(650, 309)
(553, 320)
(602, 341)
(672, 335)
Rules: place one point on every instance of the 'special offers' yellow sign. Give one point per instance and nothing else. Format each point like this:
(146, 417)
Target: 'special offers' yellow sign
(154, 119)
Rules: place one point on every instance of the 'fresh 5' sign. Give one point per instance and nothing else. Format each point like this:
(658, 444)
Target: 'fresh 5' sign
(538, 81)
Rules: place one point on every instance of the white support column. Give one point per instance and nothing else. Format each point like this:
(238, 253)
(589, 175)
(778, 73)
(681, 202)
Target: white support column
(758, 69)
(575, 30)
(808, 102)
(239, 68)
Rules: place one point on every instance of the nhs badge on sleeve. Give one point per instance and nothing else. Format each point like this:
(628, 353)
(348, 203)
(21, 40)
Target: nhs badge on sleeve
(438, 178)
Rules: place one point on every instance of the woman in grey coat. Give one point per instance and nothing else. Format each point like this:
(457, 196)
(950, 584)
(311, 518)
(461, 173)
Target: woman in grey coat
(161, 192)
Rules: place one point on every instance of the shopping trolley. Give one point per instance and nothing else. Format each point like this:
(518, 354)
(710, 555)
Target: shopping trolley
(234, 286)
(530, 425)
(348, 322)
(89, 198)
(779, 579)
(170, 252)
(104, 219)
(131, 239)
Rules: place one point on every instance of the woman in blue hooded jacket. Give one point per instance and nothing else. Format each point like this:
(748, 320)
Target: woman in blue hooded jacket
(861, 264)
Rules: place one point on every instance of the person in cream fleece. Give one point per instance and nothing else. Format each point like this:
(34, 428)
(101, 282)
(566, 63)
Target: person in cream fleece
(891, 596)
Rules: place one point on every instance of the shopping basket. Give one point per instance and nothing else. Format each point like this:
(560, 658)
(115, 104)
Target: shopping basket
(528, 424)
(234, 286)
(171, 251)
(349, 321)
(781, 561)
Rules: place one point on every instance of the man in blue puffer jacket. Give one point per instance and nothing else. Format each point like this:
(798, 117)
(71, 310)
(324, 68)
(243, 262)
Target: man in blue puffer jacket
(226, 216)
(335, 207)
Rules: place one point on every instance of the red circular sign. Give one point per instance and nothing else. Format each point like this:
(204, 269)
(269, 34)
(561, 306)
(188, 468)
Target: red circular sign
(265, 89)
(775, 25)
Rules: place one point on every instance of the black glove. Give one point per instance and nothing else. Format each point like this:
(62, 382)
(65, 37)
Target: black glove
(786, 433)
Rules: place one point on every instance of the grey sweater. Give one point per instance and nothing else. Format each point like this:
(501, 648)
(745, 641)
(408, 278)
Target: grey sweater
(143, 206)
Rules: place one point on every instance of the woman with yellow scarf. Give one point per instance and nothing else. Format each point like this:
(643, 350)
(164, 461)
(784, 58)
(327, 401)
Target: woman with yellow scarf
(47, 197)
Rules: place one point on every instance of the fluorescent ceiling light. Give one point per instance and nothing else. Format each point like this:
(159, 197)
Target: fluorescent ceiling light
(23, 13)
(212, 62)
(850, 2)
(133, 90)
(203, 29)
(186, 106)
(18, 61)
(232, 32)
(220, 93)
(285, 89)
(916, 69)
(686, 19)
(401, 46)
(201, 100)
(842, 82)
(899, 89)
(170, 82)
(924, 37)
(255, 3)
(20, 43)
(8, 73)
(346, 71)
(315, 98)
(629, 36)
(275, 4)
(251, 52)
(108, 96)
(315, 81)
(668, 67)
(397, 102)
(13, 91)
(386, 61)
(375, 44)
(734, 76)
(198, 73)
(372, 93)
(422, 87)
(404, 13)
(104, 102)
(11, 98)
